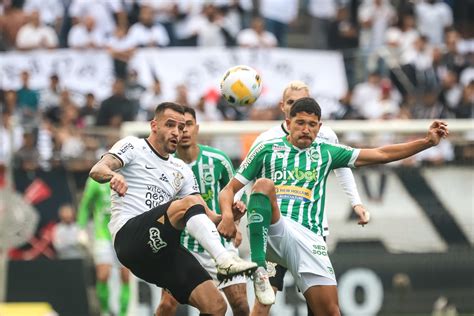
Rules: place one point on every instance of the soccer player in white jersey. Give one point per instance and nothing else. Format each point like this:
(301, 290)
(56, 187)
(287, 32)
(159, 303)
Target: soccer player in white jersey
(292, 92)
(286, 206)
(213, 170)
(155, 196)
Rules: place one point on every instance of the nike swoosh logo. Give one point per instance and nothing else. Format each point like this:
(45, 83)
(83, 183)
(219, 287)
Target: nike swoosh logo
(148, 167)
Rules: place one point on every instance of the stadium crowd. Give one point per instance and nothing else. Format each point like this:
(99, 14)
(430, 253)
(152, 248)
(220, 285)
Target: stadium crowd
(403, 59)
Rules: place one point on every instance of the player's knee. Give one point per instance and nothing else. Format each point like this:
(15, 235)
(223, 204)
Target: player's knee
(219, 307)
(190, 201)
(263, 185)
(332, 309)
(167, 306)
(239, 306)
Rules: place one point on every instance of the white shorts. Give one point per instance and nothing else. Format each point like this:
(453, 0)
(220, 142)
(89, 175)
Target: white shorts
(302, 252)
(209, 264)
(104, 253)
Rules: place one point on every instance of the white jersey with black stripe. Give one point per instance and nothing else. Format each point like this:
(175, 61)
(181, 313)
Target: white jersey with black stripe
(152, 180)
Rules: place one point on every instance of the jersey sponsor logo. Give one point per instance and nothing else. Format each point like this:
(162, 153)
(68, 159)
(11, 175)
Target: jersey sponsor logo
(155, 196)
(125, 148)
(155, 242)
(164, 178)
(249, 159)
(255, 218)
(320, 250)
(149, 167)
(177, 180)
(295, 174)
(279, 148)
(293, 193)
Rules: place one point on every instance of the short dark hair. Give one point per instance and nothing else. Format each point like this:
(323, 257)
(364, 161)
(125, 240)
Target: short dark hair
(308, 105)
(168, 105)
(190, 110)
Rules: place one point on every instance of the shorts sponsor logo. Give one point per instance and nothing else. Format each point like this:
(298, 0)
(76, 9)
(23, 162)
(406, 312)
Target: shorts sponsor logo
(255, 218)
(320, 250)
(155, 242)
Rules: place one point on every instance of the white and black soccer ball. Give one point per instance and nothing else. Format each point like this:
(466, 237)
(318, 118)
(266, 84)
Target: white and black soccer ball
(241, 85)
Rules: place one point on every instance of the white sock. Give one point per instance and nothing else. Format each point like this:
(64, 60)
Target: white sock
(205, 232)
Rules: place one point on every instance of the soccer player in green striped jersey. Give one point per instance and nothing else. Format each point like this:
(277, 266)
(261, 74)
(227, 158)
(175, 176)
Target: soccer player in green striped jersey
(96, 198)
(285, 209)
(213, 170)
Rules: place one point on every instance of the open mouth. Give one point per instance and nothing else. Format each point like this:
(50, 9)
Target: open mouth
(174, 141)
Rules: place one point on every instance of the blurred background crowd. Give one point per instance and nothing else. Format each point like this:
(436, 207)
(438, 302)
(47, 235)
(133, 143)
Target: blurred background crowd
(403, 59)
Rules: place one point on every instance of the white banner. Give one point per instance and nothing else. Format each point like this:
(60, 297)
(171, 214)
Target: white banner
(199, 68)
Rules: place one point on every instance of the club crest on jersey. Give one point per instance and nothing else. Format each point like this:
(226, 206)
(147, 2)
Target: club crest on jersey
(177, 180)
(155, 242)
(313, 154)
(207, 177)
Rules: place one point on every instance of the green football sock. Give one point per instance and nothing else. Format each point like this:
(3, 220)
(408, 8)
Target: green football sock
(124, 297)
(259, 214)
(102, 290)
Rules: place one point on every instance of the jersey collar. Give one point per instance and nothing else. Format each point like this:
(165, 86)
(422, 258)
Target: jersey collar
(284, 128)
(154, 150)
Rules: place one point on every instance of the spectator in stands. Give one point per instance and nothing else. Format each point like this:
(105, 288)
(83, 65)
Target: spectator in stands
(9, 102)
(147, 33)
(409, 33)
(6, 146)
(166, 14)
(27, 100)
(88, 113)
(150, 99)
(66, 234)
(11, 20)
(134, 90)
(105, 13)
(256, 36)
(364, 92)
(121, 47)
(278, 15)
(451, 92)
(385, 106)
(34, 35)
(417, 62)
(86, 35)
(51, 96)
(212, 28)
(433, 17)
(375, 17)
(323, 13)
(54, 113)
(51, 11)
(117, 108)
(67, 136)
(465, 108)
(452, 58)
(27, 157)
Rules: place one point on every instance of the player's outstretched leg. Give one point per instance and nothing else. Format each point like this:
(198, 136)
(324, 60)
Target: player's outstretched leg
(262, 211)
(124, 291)
(189, 212)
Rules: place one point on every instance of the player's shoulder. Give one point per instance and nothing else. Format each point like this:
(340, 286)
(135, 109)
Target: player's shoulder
(327, 135)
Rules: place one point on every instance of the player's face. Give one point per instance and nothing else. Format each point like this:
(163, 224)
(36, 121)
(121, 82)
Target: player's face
(168, 127)
(190, 132)
(304, 128)
(290, 98)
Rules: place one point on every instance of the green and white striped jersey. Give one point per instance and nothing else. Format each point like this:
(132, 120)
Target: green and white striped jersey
(299, 175)
(213, 170)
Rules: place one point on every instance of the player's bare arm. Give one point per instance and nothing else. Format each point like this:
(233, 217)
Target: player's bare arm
(385, 154)
(227, 227)
(104, 171)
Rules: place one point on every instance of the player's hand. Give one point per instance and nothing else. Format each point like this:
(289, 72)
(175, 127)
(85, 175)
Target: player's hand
(238, 238)
(238, 210)
(83, 237)
(118, 184)
(364, 215)
(438, 129)
(227, 228)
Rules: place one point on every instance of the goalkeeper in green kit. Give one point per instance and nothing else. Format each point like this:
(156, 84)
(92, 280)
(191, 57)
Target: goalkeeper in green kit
(96, 199)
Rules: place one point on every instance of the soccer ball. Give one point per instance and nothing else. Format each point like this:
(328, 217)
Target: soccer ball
(241, 85)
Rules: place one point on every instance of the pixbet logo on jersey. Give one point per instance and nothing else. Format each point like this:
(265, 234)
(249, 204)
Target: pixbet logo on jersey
(295, 174)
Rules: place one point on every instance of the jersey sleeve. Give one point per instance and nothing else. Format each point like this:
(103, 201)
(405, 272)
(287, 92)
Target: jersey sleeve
(124, 149)
(227, 171)
(342, 156)
(190, 185)
(90, 192)
(251, 166)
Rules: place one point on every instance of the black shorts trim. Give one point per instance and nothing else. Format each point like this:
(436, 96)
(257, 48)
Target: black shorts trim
(150, 247)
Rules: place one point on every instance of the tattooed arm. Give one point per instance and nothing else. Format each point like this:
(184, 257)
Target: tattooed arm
(104, 171)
